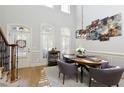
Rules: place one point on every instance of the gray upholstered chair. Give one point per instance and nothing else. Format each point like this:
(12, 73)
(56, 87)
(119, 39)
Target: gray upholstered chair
(109, 76)
(68, 60)
(67, 70)
(106, 65)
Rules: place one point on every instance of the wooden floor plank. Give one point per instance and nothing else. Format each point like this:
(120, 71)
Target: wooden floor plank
(32, 75)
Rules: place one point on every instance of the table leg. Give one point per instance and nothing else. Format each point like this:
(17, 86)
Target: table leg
(81, 74)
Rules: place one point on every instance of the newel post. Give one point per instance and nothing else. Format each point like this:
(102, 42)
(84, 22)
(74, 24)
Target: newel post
(13, 63)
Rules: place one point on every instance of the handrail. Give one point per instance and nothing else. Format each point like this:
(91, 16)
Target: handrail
(5, 40)
(1, 33)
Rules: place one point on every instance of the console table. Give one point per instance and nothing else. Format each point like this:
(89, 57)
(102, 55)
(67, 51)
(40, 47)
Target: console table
(53, 57)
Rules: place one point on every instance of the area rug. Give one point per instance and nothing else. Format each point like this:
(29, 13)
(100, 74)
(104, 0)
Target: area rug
(55, 81)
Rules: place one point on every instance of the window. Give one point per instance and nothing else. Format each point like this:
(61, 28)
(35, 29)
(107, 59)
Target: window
(65, 8)
(48, 38)
(20, 35)
(50, 6)
(65, 37)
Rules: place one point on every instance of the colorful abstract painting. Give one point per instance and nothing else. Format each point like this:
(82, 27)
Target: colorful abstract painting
(102, 29)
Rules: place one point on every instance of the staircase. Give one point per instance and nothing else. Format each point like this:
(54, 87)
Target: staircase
(8, 58)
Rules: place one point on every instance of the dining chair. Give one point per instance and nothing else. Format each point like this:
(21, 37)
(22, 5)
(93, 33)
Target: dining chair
(109, 76)
(68, 60)
(106, 65)
(67, 69)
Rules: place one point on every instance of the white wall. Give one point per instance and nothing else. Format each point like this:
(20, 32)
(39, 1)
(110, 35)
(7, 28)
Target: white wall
(115, 44)
(33, 17)
(2, 19)
(112, 50)
(79, 17)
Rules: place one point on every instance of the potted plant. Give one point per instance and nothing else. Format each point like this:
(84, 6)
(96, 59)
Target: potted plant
(80, 52)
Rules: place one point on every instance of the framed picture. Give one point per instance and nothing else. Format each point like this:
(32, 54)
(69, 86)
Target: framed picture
(102, 29)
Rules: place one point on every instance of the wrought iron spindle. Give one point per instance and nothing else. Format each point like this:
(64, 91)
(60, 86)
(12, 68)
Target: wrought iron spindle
(8, 57)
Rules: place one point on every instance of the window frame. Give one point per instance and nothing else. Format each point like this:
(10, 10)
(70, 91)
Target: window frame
(49, 6)
(65, 38)
(66, 9)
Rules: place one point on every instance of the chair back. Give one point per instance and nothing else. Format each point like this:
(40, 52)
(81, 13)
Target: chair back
(67, 60)
(110, 76)
(66, 68)
(106, 65)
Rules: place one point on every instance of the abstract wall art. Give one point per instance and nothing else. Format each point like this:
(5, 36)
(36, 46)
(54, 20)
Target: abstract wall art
(101, 29)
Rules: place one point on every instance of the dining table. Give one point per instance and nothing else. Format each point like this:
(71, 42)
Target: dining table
(85, 62)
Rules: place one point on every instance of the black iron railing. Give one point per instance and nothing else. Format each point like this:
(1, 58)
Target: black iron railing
(8, 57)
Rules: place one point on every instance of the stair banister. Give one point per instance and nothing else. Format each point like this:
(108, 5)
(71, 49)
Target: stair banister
(8, 57)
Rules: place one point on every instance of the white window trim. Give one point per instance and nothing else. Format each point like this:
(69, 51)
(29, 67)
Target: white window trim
(66, 37)
(50, 6)
(66, 10)
(47, 34)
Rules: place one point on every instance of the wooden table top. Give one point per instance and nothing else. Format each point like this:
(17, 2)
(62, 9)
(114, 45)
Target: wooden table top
(88, 60)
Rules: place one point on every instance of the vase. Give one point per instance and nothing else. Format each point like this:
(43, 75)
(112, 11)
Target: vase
(81, 56)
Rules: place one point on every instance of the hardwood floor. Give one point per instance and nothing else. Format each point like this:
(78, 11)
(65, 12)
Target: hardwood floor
(34, 76)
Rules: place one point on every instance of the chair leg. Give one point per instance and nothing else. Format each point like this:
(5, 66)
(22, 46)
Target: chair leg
(76, 77)
(117, 85)
(81, 74)
(63, 78)
(90, 81)
(59, 74)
